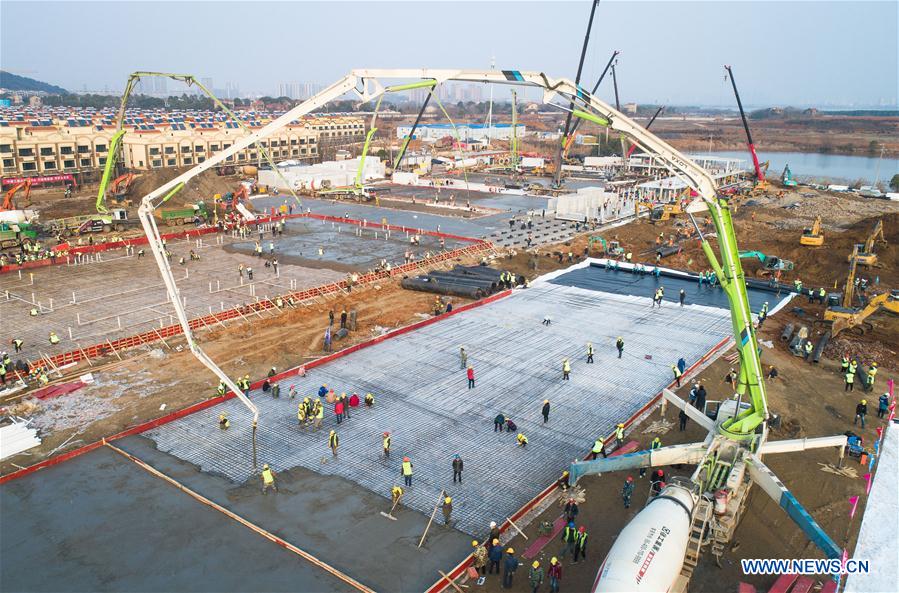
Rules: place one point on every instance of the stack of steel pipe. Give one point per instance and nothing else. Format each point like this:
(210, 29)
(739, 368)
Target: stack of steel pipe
(471, 282)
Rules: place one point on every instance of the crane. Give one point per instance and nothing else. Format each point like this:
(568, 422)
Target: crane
(411, 134)
(738, 437)
(8, 203)
(759, 173)
(633, 147)
(567, 142)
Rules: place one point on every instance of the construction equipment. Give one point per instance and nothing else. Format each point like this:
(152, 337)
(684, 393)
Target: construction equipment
(15, 234)
(609, 248)
(842, 318)
(9, 203)
(658, 212)
(786, 178)
(120, 187)
(115, 219)
(760, 183)
(189, 214)
(567, 142)
(866, 255)
(814, 236)
(770, 264)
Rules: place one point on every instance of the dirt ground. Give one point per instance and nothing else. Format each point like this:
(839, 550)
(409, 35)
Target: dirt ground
(811, 401)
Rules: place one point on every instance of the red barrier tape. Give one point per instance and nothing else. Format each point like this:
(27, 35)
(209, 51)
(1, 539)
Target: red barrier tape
(456, 572)
(139, 428)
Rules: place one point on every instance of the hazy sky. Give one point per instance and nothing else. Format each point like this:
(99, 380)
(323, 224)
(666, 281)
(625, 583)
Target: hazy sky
(798, 53)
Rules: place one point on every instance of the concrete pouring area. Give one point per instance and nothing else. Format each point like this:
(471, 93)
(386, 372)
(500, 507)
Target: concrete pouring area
(422, 398)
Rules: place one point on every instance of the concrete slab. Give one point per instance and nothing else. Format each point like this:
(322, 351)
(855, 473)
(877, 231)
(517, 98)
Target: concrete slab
(422, 399)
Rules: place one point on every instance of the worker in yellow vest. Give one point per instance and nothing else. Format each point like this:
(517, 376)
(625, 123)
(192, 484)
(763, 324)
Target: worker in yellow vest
(386, 443)
(54, 339)
(522, 440)
(268, 479)
(223, 421)
(677, 374)
(407, 471)
(619, 434)
(333, 442)
(566, 369)
(597, 449)
(222, 389)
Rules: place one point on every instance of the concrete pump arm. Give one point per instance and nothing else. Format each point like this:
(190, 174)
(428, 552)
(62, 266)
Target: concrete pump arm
(366, 85)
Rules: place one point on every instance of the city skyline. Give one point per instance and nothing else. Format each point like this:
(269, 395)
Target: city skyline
(784, 55)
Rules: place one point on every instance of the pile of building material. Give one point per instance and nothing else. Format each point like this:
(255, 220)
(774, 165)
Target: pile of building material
(330, 174)
(473, 282)
(16, 437)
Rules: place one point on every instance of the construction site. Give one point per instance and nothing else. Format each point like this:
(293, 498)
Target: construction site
(425, 359)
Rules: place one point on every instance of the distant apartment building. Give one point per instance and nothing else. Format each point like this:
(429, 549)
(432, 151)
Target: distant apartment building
(81, 146)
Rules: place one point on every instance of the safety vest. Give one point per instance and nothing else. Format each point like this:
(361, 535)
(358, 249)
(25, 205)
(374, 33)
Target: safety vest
(268, 477)
(597, 446)
(18, 343)
(570, 534)
(853, 366)
(301, 412)
(850, 378)
(407, 468)
(871, 374)
(396, 491)
(844, 363)
(386, 443)
(2, 369)
(619, 344)
(522, 439)
(677, 372)
(54, 339)
(566, 366)
(619, 432)
(581, 540)
(809, 347)
(319, 411)
(822, 293)
(221, 389)
(656, 443)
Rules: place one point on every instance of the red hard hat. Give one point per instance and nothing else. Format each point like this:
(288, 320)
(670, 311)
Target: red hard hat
(386, 434)
(580, 529)
(405, 459)
(630, 478)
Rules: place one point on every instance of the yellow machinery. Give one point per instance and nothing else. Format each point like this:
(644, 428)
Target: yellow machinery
(866, 255)
(848, 317)
(813, 237)
(658, 212)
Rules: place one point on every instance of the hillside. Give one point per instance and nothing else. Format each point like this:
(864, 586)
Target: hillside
(14, 82)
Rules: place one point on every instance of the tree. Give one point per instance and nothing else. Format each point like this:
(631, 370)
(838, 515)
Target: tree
(894, 182)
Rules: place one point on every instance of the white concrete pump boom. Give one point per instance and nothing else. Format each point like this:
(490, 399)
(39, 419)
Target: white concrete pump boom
(366, 85)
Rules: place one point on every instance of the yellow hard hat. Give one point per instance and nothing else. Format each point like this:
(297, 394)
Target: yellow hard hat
(620, 425)
(864, 401)
(495, 541)
(546, 401)
(510, 551)
(447, 500)
(554, 560)
(332, 431)
(536, 564)
(474, 543)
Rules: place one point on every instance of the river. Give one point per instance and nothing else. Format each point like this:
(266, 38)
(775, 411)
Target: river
(817, 166)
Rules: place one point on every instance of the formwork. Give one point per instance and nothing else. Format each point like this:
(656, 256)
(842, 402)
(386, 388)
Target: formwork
(422, 399)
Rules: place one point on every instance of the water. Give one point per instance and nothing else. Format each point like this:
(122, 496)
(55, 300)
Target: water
(810, 166)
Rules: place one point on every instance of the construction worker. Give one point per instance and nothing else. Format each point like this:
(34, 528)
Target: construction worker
(396, 493)
(470, 374)
(510, 565)
(301, 413)
(569, 539)
(494, 554)
(808, 349)
(268, 479)
(627, 491)
(463, 358)
(333, 442)
(861, 411)
(33, 312)
(682, 296)
(545, 411)
(853, 366)
(850, 380)
(682, 420)
(319, 410)
(245, 385)
(222, 389)
(597, 449)
(223, 421)
(499, 422)
(619, 344)
(479, 557)
(844, 365)
(339, 407)
(883, 405)
(555, 574)
(385, 443)
(17, 344)
(619, 434)
(457, 468)
(589, 353)
(406, 471)
(447, 507)
(54, 339)
(580, 544)
(369, 400)
(655, 444)
(562, 482)
(869, 378)
(677, 374)
(276, 390)
(797, 285)
(535, 576)
(522, 440)
(571, 510)
(566, 369)
(822, 295)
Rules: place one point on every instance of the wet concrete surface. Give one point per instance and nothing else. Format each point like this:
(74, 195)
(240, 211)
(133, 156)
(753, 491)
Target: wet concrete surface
(100, 523)
(344, 247)
(625, 282)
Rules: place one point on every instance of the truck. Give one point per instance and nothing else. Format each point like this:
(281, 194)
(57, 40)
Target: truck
(187, 215)
(115, 219)
(14, 234)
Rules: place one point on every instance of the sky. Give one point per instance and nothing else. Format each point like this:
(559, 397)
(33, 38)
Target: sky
(801, 53)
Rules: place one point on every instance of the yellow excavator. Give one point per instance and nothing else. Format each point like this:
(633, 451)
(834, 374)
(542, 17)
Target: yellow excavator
(846, 316)
(866, 255)
(814, 236)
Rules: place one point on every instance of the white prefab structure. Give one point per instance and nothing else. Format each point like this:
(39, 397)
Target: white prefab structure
(649, 552)
(531, 162)
(591, 203)
(321, 175)
(602, 162)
